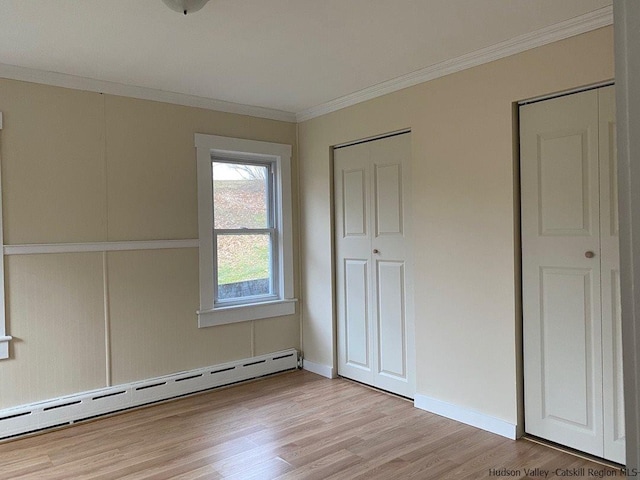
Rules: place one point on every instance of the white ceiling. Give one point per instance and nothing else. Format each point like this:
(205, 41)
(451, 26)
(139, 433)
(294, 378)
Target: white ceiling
(287, 55)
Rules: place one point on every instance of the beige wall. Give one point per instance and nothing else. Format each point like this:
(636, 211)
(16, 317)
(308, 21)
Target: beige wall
(84, 167)
(463, 166)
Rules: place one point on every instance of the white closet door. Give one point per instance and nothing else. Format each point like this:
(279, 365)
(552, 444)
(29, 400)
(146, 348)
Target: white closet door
(561, 271)
(373, 267)
(614, 437)
(353, 263)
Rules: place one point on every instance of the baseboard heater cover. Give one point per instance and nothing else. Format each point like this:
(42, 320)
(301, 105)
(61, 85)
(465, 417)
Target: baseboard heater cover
(78, 407)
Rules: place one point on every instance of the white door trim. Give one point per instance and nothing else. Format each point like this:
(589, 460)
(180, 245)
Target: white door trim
(627, 59)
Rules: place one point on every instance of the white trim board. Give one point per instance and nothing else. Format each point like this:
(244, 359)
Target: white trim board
(56, 79)
(318, 369)
(32, 249)
(4, 342)
(75, 408)
(469, 417)
(553, 33)
(627, 60)
(4, 338)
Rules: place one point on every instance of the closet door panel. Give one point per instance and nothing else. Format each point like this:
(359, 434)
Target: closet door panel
(352, 179)
(614, 435)
(561, 271)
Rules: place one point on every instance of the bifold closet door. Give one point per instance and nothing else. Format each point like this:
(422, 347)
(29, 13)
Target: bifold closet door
(373, 268)
(569, 267)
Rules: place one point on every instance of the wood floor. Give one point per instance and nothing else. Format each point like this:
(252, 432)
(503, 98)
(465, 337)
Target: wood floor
(292, 426)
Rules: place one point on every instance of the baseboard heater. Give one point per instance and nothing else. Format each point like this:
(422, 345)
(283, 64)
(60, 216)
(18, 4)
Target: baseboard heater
(84, 406)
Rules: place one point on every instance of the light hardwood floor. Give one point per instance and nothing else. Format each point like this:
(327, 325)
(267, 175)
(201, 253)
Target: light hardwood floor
(291, 426)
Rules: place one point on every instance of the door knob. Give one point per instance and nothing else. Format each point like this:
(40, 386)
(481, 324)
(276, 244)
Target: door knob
(589, 254)
(375, 250)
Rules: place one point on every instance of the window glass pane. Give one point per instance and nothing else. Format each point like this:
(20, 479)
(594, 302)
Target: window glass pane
(244, 266)
(240, 195)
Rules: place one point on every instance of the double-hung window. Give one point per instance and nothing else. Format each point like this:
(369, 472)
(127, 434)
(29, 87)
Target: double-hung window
(245, 236)
(244, 215)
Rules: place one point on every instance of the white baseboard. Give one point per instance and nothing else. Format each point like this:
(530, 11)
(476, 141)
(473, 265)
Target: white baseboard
(469, 417)
(86, 405)
(318, 369)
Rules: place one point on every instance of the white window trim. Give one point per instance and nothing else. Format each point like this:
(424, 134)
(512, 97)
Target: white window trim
(212, 145)
(4, 338)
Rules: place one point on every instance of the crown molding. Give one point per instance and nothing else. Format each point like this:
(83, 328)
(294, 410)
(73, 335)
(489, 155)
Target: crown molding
(56, 79)
(553, 33)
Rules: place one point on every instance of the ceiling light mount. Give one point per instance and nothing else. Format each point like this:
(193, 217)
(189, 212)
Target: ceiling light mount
(185, 6)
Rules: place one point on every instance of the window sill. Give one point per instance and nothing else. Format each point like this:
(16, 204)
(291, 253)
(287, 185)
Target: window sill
(245, 313)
